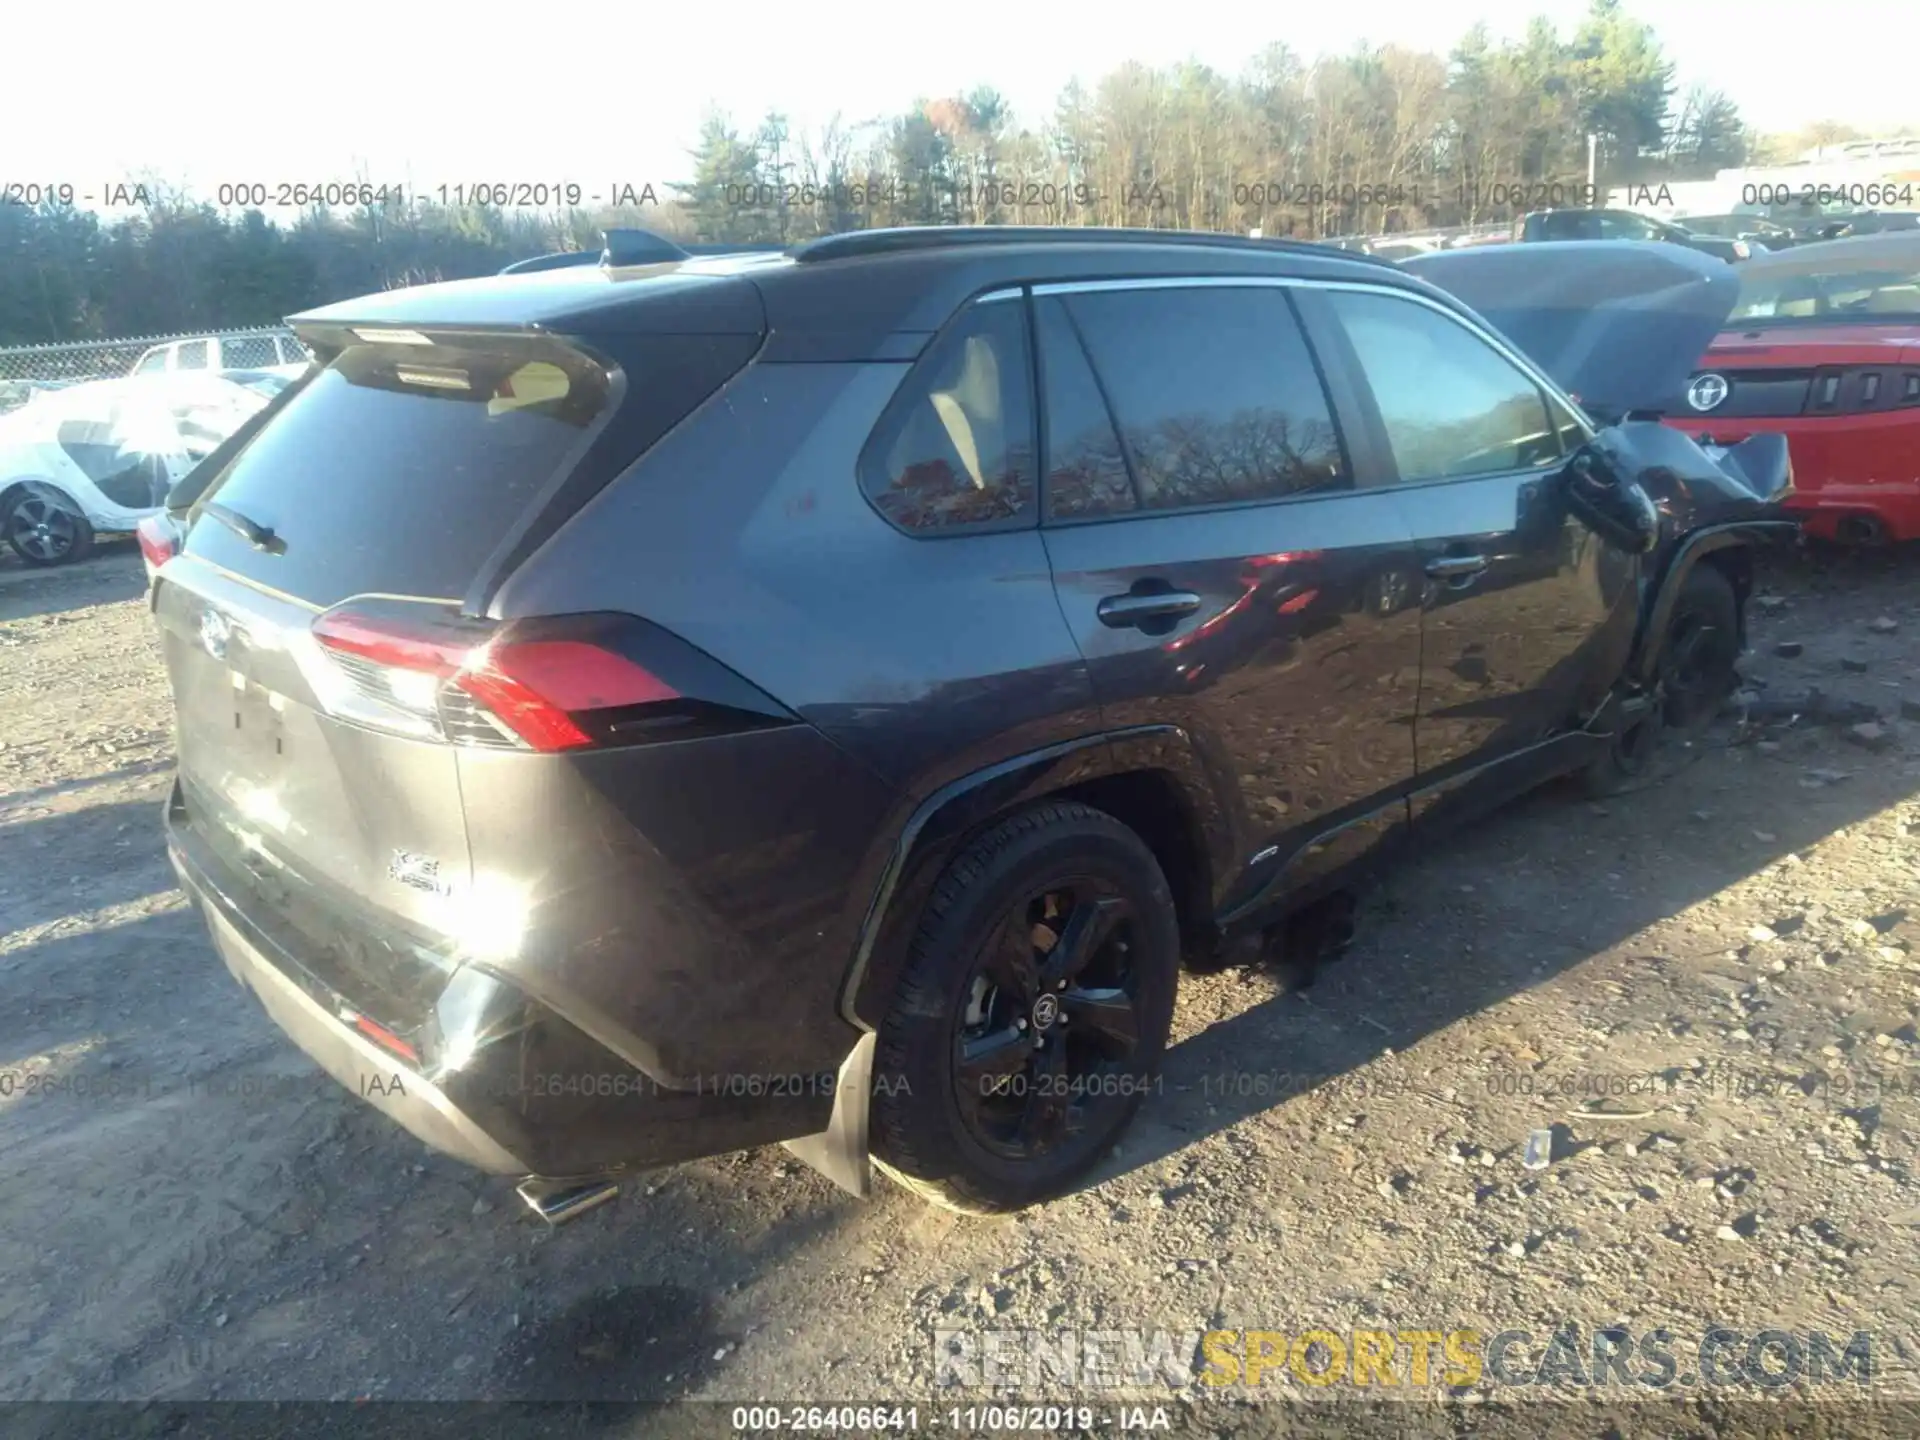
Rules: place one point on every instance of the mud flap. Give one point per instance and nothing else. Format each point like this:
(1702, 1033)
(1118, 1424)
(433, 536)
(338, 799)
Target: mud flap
(839, 1152)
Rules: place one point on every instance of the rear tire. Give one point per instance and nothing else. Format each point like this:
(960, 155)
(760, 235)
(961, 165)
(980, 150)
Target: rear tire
(1056, 925)
(43, 527)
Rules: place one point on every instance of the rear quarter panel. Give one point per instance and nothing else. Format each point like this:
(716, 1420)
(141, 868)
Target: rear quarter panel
(914, 662)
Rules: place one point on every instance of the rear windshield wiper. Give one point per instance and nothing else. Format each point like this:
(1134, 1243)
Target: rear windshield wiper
(261, 537)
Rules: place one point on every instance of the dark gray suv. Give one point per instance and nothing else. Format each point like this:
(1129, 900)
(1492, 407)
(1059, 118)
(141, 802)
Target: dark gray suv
(632, 713)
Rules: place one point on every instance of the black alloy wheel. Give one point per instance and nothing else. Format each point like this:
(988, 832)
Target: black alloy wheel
(1029, 1018)
(43, 529)
(1052, 1017)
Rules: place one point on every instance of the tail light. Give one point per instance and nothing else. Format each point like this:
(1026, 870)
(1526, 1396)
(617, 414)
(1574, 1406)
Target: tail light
(570, 683)
(1852, 389)
(159, 542)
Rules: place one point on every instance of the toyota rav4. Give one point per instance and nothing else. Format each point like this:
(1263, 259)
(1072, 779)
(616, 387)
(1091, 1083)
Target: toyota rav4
(630, 713)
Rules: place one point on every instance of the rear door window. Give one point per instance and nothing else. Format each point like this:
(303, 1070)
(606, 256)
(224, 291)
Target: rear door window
(1628, 227)
(1217, 395)
(1569, 225)
(1086, 474)
(400, 468)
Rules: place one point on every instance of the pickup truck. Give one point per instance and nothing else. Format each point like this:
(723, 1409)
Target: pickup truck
(1623, 225)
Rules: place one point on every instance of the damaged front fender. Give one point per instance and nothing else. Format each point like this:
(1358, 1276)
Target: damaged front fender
(1706, 502)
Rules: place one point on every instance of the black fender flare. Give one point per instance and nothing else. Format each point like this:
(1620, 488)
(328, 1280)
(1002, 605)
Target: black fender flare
(1658, 611)
(919, 850)
(938, 823)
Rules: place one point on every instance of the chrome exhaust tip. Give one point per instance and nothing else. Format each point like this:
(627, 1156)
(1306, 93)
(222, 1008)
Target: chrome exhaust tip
(558, 1201)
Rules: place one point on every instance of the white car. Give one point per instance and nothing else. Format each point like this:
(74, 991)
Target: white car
(102, 456)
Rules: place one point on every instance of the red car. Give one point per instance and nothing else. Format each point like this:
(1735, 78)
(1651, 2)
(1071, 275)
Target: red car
(1824, 347)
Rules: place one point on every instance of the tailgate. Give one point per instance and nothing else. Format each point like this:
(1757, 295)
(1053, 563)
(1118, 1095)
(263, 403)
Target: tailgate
(343, 840)
(327, 783)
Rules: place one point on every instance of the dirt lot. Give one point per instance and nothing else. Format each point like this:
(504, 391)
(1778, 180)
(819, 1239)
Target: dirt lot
(192, 1211)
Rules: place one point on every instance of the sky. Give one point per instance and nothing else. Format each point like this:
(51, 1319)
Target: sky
(613, 93)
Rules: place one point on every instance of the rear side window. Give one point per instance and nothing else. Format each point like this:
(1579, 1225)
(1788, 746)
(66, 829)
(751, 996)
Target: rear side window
(1626, 227)
(1565, 225)
(1218, 397)
(399, 468)
(1452, 406)
(955, 449)
(248, 352)
(1086, 469)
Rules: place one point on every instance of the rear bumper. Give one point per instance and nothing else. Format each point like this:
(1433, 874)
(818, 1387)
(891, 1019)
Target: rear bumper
(1826, 512)
(403, 1095)
(525, 1092)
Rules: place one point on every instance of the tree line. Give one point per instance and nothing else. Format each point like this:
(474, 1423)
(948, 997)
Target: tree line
(1382, 138)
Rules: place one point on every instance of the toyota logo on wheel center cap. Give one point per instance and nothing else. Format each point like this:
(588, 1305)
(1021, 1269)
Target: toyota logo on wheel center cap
(1707, 391)
(1046, 1010)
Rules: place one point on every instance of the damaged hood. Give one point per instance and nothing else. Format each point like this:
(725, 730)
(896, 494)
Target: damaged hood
(1620, 325)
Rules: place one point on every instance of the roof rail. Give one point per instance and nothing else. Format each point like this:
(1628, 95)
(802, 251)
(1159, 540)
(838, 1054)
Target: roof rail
(637, 247)
(902, 239)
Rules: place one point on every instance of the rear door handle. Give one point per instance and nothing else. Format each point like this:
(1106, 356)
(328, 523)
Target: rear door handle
(1122, 611)
(1456, 567)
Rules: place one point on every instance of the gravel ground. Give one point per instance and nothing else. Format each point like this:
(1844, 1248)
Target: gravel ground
(1727, 960)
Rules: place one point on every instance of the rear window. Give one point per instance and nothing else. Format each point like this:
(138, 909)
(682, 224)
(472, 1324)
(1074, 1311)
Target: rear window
(401, 467)
(1847, 294)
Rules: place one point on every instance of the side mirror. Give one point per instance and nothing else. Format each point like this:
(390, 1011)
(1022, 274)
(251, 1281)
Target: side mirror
(1615, 508)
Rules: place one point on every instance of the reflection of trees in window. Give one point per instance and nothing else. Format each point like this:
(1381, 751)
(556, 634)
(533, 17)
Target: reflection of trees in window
(1086, 471)
(1088, 475)
(935, 493)
(1257, 454)
(1512, 435)
(1090, 483)
(957, 450)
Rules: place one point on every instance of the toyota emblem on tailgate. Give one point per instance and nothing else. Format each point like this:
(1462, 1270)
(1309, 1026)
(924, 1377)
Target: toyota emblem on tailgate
(1707, 391)
(215, 631)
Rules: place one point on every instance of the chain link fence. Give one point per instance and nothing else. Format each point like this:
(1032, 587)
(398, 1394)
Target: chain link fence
(26, 370)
